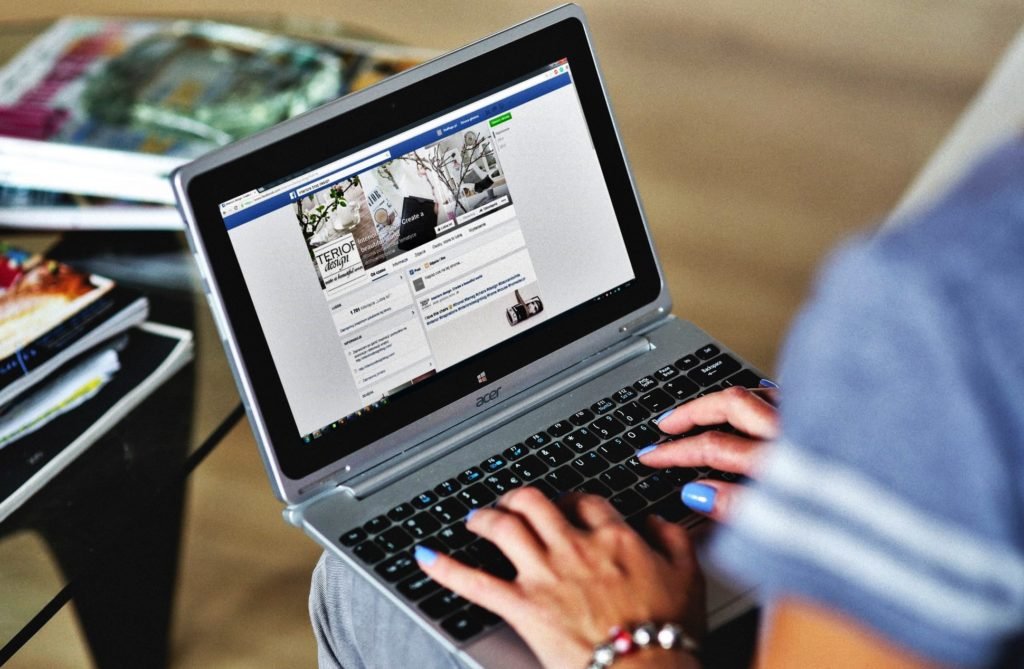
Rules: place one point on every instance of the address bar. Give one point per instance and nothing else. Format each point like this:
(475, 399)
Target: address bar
(348, 169)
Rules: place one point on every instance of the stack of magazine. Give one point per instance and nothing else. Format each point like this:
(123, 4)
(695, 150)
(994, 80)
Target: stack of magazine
(69, 340)
(96, 112)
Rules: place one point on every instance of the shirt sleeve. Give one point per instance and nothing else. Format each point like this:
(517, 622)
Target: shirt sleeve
(895, 494)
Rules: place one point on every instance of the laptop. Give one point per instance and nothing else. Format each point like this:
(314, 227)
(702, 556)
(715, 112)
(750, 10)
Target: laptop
(442, 288)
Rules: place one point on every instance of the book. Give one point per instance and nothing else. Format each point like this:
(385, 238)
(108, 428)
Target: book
(150, 354)
(108, 107)
(28, 209)
(50, 313)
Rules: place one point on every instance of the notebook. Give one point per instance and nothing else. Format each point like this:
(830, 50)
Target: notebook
(442, 288)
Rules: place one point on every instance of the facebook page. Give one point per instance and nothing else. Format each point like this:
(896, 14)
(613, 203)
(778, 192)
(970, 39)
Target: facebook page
(376, 272)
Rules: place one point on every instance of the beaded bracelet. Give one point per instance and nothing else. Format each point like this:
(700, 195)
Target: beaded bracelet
(623, 642)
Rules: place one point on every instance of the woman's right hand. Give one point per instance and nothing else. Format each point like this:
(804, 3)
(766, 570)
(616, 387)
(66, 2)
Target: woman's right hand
(754, 420)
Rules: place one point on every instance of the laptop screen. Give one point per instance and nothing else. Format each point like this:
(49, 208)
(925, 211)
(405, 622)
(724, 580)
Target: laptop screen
(374, 272)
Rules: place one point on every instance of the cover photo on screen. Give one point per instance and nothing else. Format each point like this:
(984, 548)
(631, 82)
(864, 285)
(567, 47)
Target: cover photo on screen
(367, 219)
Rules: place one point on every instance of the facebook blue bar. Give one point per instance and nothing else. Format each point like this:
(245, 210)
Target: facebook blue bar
(402, 148)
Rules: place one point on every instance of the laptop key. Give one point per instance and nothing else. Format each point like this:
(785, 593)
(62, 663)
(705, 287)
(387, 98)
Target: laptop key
(449, 510)
(564, 479)
(602, 406)
(397, 567)
(645, 384)
(707, 352)
(671, 509)
(627, 502)
(687, 361)
(560, 428)
(441, 604)
(487, 618)
(538, 440)
(456, 536)
(595, 487)
(503, 482)
(581, 440)
(666, 373)
(375, 525)
(393, 539)
(368, 552)
(654, 487)
(618, 477)
(401, 512)
(639, 436)
(513, 453)
(555, 454)
(462, 626)
(546, 488)
(638, 467)
(714, 370)
(470, 476)
(657, 401)
(492, 560)
(449, 487)
(680, 476)
(631, 413)
(624, 395)
(744, 379)
(352, 537)
(606, 427)
(529, 468)
(466, 558)
(424, 500)
(493, 464)
(418, 586)
(590, 464)
(581, 417)
(680, 388)
(615, 450)
(476, 496)
(421, 526)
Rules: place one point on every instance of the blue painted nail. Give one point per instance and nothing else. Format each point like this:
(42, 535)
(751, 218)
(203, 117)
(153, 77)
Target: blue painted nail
(470, 514)
(663, 416)
(768, 383)
(424, 555)
(646, 449)
(699, 497)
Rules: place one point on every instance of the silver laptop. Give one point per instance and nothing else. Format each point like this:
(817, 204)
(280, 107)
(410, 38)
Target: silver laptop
(442, 288)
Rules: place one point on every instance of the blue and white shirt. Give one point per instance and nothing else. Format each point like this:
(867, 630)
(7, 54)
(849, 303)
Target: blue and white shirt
(896, 494)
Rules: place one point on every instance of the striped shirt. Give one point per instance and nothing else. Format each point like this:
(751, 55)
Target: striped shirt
(896, 494)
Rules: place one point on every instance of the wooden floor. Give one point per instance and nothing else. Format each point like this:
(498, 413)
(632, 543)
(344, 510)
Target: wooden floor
(761, 132)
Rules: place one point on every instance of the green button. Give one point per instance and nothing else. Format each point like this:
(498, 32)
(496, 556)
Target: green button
(500, 119)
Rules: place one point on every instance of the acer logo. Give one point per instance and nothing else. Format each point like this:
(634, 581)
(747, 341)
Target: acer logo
(484, 399)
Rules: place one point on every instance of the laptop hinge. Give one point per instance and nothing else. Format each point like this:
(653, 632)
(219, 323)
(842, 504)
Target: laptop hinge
(523, 402)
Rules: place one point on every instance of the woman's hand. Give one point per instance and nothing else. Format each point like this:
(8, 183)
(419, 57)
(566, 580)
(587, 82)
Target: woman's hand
(753, 419)
(579, 574)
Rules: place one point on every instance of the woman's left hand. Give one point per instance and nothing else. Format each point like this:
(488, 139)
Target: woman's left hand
(579, 574)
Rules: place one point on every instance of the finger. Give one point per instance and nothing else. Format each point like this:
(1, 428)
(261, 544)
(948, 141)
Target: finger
(510, 534)
(739, 407)
(546, 520)
(673, 540)
(770, 395)
(715, 449)
(477, 586)
(592, 511)
(715, 499)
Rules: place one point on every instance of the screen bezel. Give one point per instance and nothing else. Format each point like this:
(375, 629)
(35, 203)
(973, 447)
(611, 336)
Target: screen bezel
(385, 112)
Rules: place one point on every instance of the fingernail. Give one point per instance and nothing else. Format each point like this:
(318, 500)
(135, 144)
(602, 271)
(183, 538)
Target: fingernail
(470, 515)
(699, 497)
(663, 416)
(768, 383)
(646, 449)
(424, 555)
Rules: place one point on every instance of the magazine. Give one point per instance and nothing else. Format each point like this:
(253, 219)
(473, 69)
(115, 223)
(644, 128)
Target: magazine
(109, 107)
(49, 313)
(28, 209)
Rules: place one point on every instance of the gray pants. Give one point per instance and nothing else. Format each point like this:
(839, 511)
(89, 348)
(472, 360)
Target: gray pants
(357, 628)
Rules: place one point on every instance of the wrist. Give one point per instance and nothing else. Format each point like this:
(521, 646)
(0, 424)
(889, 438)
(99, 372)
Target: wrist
(656, 658)
(647, 644)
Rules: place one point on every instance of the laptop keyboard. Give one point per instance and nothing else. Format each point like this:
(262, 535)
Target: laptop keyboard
(591, 451)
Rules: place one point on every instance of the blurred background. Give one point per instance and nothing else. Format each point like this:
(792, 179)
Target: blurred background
(761, 134)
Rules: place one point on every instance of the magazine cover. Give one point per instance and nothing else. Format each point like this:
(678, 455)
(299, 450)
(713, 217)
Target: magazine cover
(49, 312)
(138, 98)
